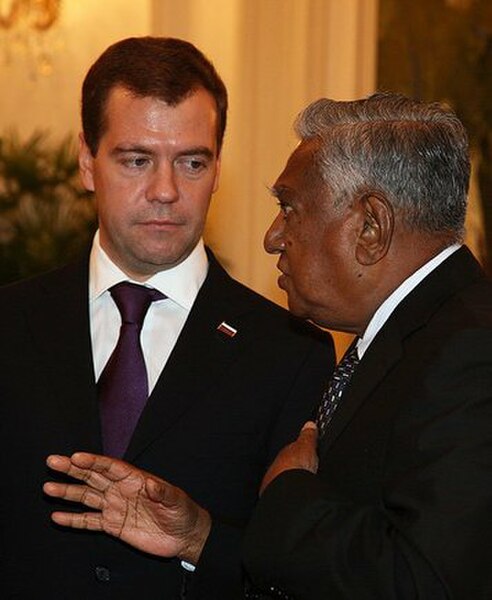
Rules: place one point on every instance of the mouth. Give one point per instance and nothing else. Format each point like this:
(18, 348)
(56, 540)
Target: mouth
(160, 224)
(282, 279)
(282, 267)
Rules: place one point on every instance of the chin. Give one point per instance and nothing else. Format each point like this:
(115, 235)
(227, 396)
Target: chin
(296, 308)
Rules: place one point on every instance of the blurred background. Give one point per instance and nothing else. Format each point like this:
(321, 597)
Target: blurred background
(275, 56)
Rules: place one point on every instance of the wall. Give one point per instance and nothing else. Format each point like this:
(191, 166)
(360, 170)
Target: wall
(31, 100)
(275, 56)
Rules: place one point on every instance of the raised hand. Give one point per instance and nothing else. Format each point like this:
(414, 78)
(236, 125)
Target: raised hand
(143, 510)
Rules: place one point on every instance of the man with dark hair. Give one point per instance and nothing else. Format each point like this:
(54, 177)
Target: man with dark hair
(146, 356)
(166, 68)
(389, 494)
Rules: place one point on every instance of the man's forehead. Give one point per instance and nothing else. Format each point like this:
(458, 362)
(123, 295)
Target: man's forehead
(129, 116)
(300, 164)
(120, 92)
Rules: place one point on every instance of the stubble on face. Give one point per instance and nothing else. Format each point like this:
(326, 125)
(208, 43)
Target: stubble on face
(154, 173)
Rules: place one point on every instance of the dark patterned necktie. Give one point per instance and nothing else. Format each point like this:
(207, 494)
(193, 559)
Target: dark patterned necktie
(341, 376)
(123, 385)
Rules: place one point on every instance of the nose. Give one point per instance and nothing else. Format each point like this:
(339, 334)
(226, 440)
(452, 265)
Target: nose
(274, 240)
(162, 185)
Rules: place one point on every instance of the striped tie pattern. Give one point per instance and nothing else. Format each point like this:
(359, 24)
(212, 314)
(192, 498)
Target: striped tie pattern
(338, 382)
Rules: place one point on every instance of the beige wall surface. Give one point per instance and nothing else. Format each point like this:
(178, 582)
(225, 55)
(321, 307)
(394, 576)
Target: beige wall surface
(275, 56)
(30, 100)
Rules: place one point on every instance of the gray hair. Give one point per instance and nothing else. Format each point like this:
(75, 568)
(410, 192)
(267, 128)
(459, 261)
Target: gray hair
(414, 153)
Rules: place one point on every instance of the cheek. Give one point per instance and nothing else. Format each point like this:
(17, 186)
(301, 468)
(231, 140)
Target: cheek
(195, 206)
(305, 281)
(118, 196)
(114, 217)
(110, 183)
(310, 269)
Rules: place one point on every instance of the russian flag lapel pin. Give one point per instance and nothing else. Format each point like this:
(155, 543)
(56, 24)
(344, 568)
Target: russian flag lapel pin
(227, 329)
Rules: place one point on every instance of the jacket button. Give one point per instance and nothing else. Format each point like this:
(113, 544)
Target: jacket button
(103, 574)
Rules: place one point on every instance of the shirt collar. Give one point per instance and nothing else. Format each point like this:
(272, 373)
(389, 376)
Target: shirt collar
(389, 305)
(180, 283)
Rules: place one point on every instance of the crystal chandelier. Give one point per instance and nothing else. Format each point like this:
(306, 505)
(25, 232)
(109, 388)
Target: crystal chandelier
(25, 27)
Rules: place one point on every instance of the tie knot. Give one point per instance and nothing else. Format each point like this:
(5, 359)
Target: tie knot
(134, 300)
(348, 363)
(351, 357)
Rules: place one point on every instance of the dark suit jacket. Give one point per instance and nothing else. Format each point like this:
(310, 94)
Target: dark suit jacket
(217, 416)
(402, 505)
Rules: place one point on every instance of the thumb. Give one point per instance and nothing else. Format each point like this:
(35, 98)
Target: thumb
(309, 425)
(159, 490)
(309, 432)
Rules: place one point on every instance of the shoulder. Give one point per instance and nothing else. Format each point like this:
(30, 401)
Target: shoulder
(470, 308)
(248, 305)
(31, 292)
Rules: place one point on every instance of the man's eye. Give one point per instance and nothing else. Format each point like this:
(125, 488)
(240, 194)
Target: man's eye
(285, 208)
(197, 164)
(135, 162)
(193, 165)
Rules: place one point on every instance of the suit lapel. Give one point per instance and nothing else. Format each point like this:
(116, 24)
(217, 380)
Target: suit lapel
(202, 354)
(59, 323)
(458, 271)
(382, 355)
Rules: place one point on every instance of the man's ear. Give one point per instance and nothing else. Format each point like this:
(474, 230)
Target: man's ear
(86, 164)
(217, 173)
(376, 232)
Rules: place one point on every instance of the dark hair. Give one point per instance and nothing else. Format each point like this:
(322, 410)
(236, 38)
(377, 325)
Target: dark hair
(415, 153)
(166, 68)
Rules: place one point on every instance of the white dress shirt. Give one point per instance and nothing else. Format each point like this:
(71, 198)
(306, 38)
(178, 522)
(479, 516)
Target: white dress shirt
(384, 312)
(165, 318)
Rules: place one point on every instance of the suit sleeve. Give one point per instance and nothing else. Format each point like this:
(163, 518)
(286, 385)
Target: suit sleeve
(219, 572)
(427, 535)
(304, 395)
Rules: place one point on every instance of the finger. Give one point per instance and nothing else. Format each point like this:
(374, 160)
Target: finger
(64, 464)
(96, 462)
(74, 493)
(111, 468)
(88, 520)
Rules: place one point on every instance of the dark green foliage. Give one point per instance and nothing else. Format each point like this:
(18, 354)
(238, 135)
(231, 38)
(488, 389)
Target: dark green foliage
(46, 217)
(442, 50)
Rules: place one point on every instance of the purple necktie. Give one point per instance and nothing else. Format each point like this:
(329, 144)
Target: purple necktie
(123, 386)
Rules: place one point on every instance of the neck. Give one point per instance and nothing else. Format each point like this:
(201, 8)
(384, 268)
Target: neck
(406, 256)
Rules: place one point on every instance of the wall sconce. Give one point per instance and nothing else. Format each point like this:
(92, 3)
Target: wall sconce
(23, 27)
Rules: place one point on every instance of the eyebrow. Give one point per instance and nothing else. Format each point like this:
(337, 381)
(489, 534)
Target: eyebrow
(197, 150)
(127, 149)
(201, 150)
(278, 190)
